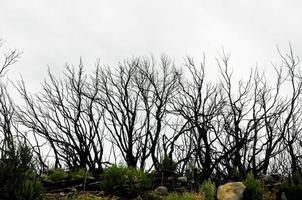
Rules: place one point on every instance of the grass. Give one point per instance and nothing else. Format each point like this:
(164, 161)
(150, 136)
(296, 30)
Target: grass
(77, 196)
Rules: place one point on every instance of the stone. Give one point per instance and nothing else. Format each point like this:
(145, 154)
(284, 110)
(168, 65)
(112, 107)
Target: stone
(283, 196)
(62, 194)
(183, 179)
(267, 179)
(181, 189)
(231, 191)
(271, 179)
(161, 190)
(73, 190)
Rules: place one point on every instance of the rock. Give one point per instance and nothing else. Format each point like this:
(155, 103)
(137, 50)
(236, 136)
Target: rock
(277, 177)
(181, 189)
(183, 179)
(267, 179)
(231, 191)
(271, 179)
(161, 190)
(62, 194)
(283, 196)
(73, 190)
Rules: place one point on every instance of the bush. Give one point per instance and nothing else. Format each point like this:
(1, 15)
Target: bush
(57, 175)
(297, 178)
(172, 196)
(17, 175)
(184, 196)
(123, 181)
(167, 164)
(80, 174)
(208, 189)
(31, 187)
(254, 188)
(151, 195)
(292, 191)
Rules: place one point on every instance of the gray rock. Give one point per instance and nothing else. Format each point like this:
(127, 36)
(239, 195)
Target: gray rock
(183, 179)
(231, 191)
(283, 196)
(73, 190)
(62, 194)
(161, 190)
(271, 179)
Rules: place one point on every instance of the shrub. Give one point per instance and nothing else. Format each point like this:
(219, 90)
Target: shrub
(268, 196)
(151, 195)
(254, 188)
(297, 178)
(208, 189)
(187, 196)
(184, 196)
(57, 175)
(123, 181)
(292, 191)
(31, 187)
(172, 196)
(80, 174)
(167, 164)
(17, 175)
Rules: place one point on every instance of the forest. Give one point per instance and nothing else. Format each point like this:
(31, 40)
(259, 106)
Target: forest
(156, 125)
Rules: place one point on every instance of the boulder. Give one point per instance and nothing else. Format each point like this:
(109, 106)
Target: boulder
(182, 179)
(271, 179)
(283, 196)
(231, 191)
(161, 190)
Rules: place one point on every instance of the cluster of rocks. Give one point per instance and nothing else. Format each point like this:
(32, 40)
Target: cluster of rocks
(232, 190)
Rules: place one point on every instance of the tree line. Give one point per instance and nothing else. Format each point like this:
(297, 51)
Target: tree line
(147, 109)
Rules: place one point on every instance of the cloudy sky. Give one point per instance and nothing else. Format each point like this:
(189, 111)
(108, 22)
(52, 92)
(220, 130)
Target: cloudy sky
(55, 32)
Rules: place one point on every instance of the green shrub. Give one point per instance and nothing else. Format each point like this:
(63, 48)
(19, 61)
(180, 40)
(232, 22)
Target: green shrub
(292, 191)
(80, 174)
(172, 196)
(167, 164)
(254, 188)
(297, 178)
(187, 196)
(17, 175)
(31, 187)
(208, 189)
(57, 175)
(184, 196)
(268, 195)
(150, 195)
(123, 181)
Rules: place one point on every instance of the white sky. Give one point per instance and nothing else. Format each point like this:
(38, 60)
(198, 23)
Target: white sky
(56, 32)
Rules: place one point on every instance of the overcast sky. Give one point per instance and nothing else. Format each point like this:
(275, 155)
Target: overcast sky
(56, 32)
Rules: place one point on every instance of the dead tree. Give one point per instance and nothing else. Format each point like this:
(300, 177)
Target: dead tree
(199, 104)
(7, 110)
(119, 97)
(66, 119)
(157, 86)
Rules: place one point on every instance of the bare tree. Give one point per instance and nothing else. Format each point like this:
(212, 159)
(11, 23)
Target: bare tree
(68, 120)
(7, 110)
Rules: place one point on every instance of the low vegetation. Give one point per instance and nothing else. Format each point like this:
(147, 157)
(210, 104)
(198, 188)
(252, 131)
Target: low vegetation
(208, 190)
(18, 178)
(124, 181)
(254, 188)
